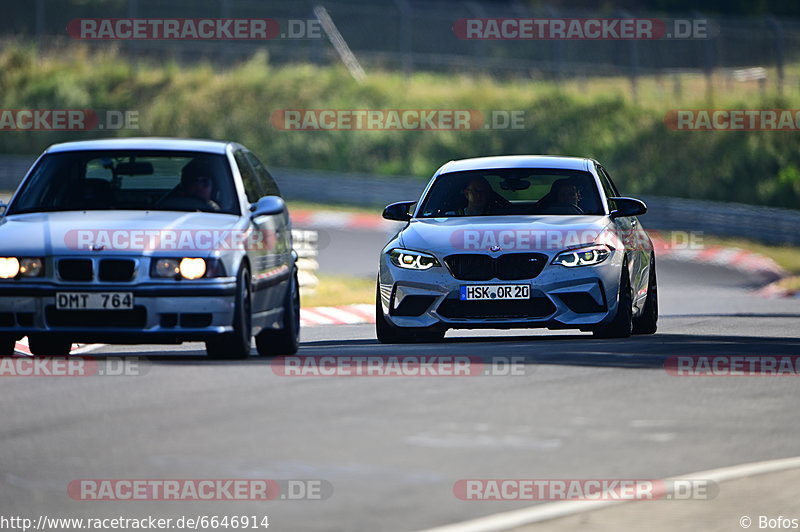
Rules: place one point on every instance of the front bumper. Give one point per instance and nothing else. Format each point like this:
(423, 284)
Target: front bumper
(561, 298)
(163, 312)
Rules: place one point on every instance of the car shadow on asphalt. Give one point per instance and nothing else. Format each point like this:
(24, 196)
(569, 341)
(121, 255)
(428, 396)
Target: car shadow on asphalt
(637, 352)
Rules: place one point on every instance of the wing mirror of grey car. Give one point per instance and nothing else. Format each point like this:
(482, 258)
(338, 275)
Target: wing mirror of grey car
(267, 205)
(627, 207)
(3, 207)
(399, 211)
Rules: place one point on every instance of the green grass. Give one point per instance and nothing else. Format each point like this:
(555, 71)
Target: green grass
(334, 290)
(791, 284)
(310, 206)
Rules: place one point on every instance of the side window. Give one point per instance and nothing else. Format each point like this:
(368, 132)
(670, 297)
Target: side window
(608, 187)
(251, 185)
(267, 183)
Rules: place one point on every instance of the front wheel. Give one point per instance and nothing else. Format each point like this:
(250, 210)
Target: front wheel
(647, 323)
(622, 324)
(285, 341)
(236, 344)
(48, 346)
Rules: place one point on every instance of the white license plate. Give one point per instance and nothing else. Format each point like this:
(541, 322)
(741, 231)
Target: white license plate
(480, 292)
(94, 301)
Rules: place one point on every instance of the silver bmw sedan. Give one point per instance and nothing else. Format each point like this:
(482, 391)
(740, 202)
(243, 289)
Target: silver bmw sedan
(148, 240)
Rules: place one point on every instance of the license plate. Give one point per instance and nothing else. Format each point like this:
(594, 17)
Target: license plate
(479, 292)
(94, 301)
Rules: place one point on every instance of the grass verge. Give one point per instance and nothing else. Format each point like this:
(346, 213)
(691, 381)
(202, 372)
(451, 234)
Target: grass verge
(310, 206)
(334, 290)
(637, 141)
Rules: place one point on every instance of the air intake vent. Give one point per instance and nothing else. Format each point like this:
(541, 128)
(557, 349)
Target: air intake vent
(116, 269)
(509, 267)
(75, 269)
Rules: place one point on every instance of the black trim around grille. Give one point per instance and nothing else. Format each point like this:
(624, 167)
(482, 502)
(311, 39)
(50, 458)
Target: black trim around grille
(507, 267)
(135, 318)
(537, 307)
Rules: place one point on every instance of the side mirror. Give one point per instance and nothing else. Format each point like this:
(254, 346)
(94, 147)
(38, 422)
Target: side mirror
(267, 205)
(3, 208)
(628, 207)
(399, 211)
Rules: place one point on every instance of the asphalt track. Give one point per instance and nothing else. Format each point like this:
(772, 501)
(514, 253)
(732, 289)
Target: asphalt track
(393, 447)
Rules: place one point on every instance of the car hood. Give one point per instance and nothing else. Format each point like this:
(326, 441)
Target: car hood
(53, 233)
(546, 234)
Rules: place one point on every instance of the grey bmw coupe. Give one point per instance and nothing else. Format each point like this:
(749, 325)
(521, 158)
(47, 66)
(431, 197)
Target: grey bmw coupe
(517, 242)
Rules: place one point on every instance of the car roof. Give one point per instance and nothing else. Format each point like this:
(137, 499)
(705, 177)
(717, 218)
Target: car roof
(142, 143)
(517, 161)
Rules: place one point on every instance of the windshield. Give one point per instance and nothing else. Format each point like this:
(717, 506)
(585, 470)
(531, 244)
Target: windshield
(520, 191)
(129, 180)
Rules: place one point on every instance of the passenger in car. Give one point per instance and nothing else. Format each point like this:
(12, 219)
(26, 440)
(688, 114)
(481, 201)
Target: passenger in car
(197, 184)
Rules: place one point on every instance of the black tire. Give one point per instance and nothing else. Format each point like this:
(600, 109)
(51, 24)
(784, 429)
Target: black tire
(285, 341)
(622, 324)
(389, 334)
(49, 346)
(647, 323)
(7, 344)
(236, 344)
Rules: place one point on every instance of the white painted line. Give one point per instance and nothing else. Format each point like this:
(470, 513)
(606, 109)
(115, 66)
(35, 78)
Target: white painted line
(548, 511)
(82, 349)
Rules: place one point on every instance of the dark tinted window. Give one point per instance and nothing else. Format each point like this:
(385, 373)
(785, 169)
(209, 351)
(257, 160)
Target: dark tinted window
(608, 187)
(520, 191)
(128, 180)
(266, 181)
(252, 187)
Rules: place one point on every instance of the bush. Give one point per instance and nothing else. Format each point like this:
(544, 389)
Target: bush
(202, 101)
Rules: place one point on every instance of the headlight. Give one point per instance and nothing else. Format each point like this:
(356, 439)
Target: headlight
(412, 260)
(187, 268)
(586, 256)
(11, 267)
(165, 268)
(192, 268)
(30, 267)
